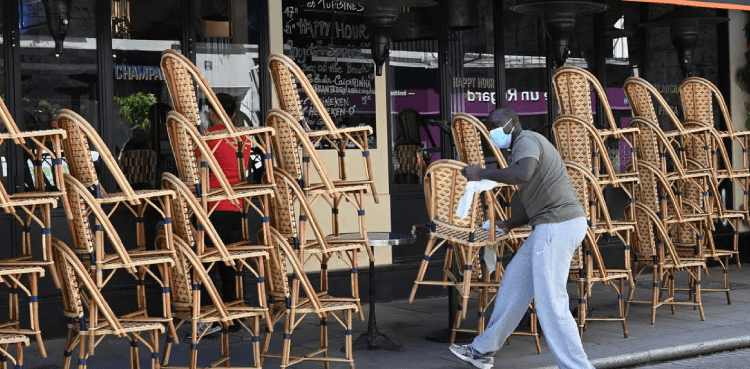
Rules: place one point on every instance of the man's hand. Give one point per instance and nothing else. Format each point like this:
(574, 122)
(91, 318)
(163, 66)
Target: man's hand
(471, 173)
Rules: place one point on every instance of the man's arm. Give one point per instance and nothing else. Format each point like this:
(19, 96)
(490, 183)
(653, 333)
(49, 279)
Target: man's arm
(519, 172)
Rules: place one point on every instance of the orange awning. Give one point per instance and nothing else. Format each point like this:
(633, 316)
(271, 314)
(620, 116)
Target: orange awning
(716, 4)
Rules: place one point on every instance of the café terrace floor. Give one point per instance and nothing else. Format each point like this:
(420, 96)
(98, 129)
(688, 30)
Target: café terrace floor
(673, 336)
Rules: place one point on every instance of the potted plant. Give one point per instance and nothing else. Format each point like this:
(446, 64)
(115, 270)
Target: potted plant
(135, 110)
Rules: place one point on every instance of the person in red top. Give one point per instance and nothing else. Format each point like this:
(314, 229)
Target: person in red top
(227, 217)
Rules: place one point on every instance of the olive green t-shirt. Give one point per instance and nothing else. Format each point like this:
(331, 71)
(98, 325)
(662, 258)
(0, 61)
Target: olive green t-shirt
(549, 196)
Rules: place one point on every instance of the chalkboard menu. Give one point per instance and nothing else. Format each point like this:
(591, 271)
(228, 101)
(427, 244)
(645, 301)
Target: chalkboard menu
(326, 39)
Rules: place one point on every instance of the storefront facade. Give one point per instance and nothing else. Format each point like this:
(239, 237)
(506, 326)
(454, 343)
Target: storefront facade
(112, 50)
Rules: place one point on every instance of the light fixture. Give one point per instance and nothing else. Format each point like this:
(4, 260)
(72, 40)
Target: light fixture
(216, 18)
(58, 21)
(685, 24)
(380, 18)
(559, 19)
(121, 18)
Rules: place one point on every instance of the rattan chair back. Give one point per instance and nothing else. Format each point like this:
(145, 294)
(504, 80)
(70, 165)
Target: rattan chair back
(572, 88)
(697, 96)
(289, 195)
(444, 185)
(139, 166)
(575, 140)
(182, 78)
(288, 138)
(654, 147)
(641, 96)
(79, 290)
(289, 81)
(83, 205)
(469, 134)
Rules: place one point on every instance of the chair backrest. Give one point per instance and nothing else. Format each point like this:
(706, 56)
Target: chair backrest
(78, 286)
(289, 136)
(648, 231)
(572, 88)
(574, 140)
(468, 134)
(139, 166)
(184, 206)
(81, 205)
(641, 96)
(181, 75)
(288, 196)
(186, 143)
(80, 163)
(288, 82)
(410, 120)
(653, 146)
(181, 285)
(285, 257)
(10, 124)
(187, 262)
(697, 96)
(444, 185)
(409, 157)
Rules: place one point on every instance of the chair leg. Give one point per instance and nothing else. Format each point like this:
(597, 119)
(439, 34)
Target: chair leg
(4, 357)
(698, 300)
(34, 312)
(70, 342)
(324, 340)
(724, 266)
(422, 267)
(135, 362)
(349, 353)
(257, 361)
(621, 306)
(154, 335)
(355, 284)
(287, 341)
(225, 345)
(82, 352)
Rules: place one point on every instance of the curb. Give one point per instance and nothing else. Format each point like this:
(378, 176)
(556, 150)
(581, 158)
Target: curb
(670, 353)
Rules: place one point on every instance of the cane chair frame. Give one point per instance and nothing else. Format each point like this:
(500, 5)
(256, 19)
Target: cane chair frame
(19, 341)
(182, 77)
(288, 80)
(196, 164)
(81, 166)
(287, 141)
(444, 186)
(293, 307)
(136, 261)
(193, 278)
(90, 316)
(591, 268)
(39, 139)
(237, 255)
(468, 134)
(664, 261)
(289, 196)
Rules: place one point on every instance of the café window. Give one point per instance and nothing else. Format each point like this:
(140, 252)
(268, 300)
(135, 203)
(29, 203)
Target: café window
(51, 80)
(4, 162)
(141, 30)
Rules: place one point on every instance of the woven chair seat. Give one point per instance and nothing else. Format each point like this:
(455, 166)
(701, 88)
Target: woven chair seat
(481, 235)
(26, 198)
(326, 305)
(127, 326)
(240, 131)
(20, 269)
(240, 193)
(317, 189)
(13, 338)
(29, 202)
(334, 247)
(233, 313)
(139, 194)
(37, 133)
(212, 255)
(139, 261)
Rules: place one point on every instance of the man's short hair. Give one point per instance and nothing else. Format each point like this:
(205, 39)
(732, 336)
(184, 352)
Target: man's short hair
(227, 103)
(499, 117)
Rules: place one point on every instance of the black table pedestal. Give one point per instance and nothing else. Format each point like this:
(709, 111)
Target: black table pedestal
(372, 338)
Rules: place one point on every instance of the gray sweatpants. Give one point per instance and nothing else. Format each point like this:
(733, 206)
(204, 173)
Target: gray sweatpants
(540, 270)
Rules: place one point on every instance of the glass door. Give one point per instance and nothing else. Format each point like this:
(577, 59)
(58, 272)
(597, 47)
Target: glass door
(4, 162)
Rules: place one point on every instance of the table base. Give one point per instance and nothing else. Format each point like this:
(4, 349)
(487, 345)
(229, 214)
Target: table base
(373, 339)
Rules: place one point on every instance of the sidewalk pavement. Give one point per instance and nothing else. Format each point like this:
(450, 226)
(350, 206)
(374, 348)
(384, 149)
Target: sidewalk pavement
(672, 337)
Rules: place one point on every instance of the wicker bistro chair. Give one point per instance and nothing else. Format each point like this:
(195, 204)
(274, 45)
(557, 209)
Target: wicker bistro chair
(590, 269)
(81, 165)
(289, 137)
(182, 77)
(697, 96)
(35, 145)
(671, 144)
(294, 300)
(655, 249)
(101, 263)
(239, 255)
(13, 270)
(580, 142)
(190, 279)
(197, 164)
(19, 341)
(289, 82)
(90, 317)
(444, 186)
(317, 248)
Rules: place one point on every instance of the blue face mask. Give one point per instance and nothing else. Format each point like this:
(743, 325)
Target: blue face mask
(499, 138)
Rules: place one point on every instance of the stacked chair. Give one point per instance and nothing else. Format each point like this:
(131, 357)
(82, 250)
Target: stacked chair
(91, 318)
(291, 88)
(31, 209)
(582, 147)
(680, 159)
(471, 136)
(190, 277)
(294, 298)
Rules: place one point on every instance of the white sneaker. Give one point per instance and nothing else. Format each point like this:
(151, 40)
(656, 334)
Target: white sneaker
(468, 354)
